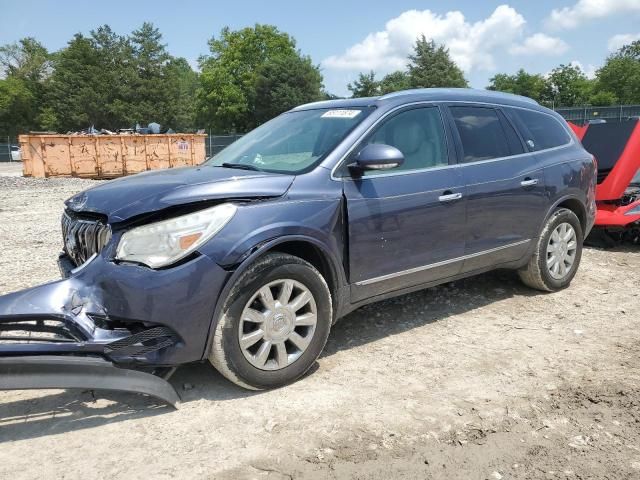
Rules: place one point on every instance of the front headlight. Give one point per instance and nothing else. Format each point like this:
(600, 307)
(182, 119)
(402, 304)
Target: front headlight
(163, 243)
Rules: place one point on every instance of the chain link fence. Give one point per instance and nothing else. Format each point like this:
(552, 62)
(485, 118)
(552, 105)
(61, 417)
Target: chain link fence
(6, 144)
(216, 143)
(582, 115)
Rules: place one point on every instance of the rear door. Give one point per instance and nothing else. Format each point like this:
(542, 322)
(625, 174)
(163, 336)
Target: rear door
(505, 186)
(406, 225)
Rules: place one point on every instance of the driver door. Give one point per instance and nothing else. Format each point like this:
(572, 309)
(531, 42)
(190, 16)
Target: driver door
(406, 225)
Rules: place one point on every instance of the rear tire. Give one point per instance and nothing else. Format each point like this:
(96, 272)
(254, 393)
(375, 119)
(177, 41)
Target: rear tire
(557, 254)
(274, 324)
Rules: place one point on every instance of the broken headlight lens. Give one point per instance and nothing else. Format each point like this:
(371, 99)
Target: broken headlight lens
(163, 243)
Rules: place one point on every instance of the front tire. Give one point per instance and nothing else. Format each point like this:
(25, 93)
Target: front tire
(557, 254)
(274, 324)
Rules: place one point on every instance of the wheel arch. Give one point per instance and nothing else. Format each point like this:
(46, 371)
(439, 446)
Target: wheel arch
(307, 248)
(574, 204)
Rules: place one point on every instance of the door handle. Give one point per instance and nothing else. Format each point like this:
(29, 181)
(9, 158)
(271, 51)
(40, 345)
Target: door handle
(449, 197)
(529, 182)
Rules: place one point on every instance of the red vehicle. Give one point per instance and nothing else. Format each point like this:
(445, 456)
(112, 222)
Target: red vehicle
(616, 147)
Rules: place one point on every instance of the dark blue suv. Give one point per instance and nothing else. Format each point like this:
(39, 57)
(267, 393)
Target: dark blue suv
(248, 259)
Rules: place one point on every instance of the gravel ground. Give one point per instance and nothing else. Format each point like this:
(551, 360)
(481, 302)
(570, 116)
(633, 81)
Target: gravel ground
(478, 379)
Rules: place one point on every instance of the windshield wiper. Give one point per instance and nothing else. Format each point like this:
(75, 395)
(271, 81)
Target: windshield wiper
(241, 166)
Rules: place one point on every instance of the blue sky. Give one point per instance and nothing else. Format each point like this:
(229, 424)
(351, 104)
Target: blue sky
(348, 36)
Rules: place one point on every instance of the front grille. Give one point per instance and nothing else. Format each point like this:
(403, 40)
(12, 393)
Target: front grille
(36, 331)
(142, 343)
(83, 237)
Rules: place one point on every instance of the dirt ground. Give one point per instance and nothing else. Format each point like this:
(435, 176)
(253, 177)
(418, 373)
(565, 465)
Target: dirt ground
(479, 379)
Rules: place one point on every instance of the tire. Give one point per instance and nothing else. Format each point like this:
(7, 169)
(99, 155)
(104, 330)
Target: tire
(537, 274)
(247, 304)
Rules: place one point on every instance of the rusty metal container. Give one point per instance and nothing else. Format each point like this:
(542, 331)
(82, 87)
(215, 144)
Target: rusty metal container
(107, 156)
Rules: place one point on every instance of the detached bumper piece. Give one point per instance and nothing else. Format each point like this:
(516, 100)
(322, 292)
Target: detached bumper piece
(44, 372)
(41, 354)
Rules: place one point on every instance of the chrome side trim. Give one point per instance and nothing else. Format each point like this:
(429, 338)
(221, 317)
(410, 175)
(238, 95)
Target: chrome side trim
(438, 264)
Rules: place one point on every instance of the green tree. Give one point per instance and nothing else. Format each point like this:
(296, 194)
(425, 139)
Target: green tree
(532, 85)
(631, 50)
(27, 59)
(394, 82)
(74, 97)
(227, 94)
(431, 66)
(16, 106)
(365, 85)
(26, 66)
(92, 83)
(115, 87)
(603, 99)
(284, 83)
(620, 75)
(568, 86)
(154, 101)
(112, 81)
(182, 85)
(324, 95)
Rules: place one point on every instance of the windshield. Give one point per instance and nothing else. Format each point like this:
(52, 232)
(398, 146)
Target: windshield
(293, 142)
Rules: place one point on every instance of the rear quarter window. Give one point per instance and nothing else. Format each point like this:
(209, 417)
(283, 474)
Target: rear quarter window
(483, 134)
(539, 130)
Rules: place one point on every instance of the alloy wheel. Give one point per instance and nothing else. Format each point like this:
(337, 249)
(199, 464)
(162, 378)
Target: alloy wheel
(561, 251)
(277, 324)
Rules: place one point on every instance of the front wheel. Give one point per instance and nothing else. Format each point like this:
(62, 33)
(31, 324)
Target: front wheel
(274, 324)
(557, 255)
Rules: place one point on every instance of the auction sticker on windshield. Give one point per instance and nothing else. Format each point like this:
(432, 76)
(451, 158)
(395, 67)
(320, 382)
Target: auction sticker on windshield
(341, 113)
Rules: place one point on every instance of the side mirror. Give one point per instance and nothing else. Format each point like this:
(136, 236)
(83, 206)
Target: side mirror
(376, 156)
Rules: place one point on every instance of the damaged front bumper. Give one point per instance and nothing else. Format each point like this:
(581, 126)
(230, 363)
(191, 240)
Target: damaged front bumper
(107, 326)
(41, 372)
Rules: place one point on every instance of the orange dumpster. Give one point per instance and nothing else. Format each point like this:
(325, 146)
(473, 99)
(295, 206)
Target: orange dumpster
(107, 156)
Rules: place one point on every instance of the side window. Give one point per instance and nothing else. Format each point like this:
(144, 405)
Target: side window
(483, 135)
(539, 130)
(418, 134)
(515, 144)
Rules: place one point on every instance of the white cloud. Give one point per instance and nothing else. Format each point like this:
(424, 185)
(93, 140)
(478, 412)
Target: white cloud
(589, 70)
(585, 10)
(540, 44)
(618, 41)
(471, 45)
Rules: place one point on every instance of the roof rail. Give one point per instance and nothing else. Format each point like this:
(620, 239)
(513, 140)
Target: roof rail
(491, 93)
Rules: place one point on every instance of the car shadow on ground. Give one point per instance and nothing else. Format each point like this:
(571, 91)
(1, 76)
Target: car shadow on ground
(62, 411)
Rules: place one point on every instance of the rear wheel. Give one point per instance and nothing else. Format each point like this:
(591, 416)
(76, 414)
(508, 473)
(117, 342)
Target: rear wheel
(557, 255)
(274, 325)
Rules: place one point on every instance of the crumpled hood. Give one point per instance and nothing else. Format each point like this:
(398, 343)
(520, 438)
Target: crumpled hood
(156, 190)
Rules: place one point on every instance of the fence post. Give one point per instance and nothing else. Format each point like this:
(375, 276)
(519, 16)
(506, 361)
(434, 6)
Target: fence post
(210, 144)
(620, 119)
(9, 149)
